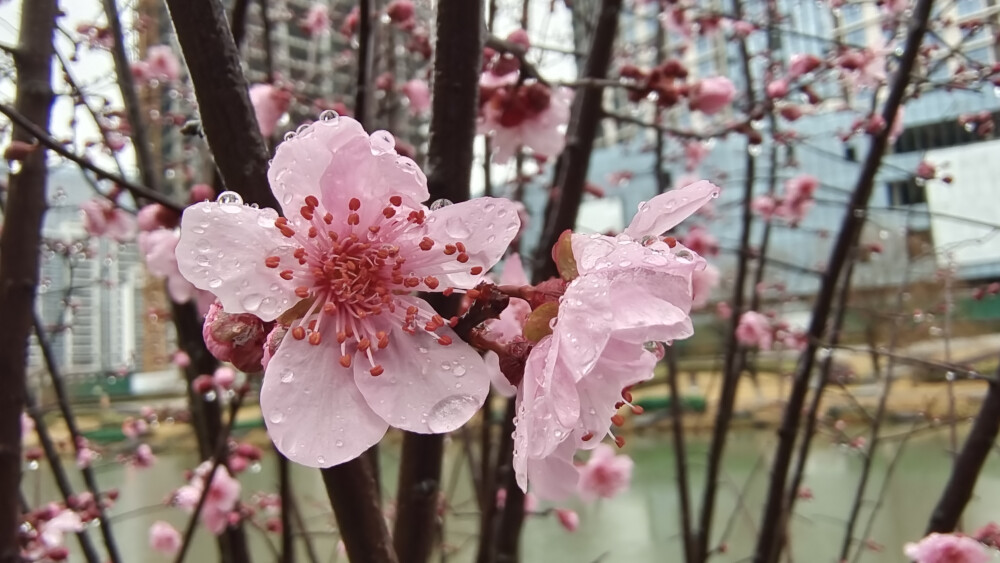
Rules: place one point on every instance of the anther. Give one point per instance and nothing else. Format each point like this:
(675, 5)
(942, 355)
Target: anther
(473, 293)
(396, 200)
(272, 261)
(463, 258)
(450, 249)
(341, 337)
(460, 246)
(314, 338)
(444, 340)
(374, 228)
(287, 231)
(345, 361)
(328, 218)
(587, 437)
(364, 344)
(281, 222)
(476, 270)
(306, 212)
(618, 420)
(448, 291)
(377, 370)
(388, 212)
(354, 204)
(671, 241)
(431, 282)
(619, 441)
(313, 232)
(636, 409)
(286, 274)
(298, 333)
(353, 219)
(302, 291)
(312, 202)
(426, 244)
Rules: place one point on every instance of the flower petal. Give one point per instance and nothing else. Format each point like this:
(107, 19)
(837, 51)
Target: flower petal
(313, 410)
(550, 406)
(621, 364)
(554, 477)
(501, 385)
(425, 387)
(222, 249)
(666, 210)
(485, 226)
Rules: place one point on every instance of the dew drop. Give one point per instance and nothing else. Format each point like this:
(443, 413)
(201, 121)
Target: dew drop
(276, 417)
(422, 350)
(452, 412)
(445, 366)
(229, 198)
(489, 207)
(339, 443)
(320, 460)
(439, 203)
(459, 370)
(329, 116)
(456, 227)
(214, 283)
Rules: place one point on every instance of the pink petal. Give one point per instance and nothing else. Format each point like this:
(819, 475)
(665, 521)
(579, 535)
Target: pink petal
(554, 477)
(550, 406)
(621, 364)
(426, 387)
(513, 271)
(222, 250)
(501, 386)
(485, 225)
(667, 210)
(313, 410)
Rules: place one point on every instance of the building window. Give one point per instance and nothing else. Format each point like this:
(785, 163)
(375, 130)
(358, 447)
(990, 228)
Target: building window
(906, 192)
(941, 134)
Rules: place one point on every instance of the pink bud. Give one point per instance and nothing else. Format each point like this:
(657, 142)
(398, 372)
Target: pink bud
(400, 11)
(519, 37)
(238, 338)
(164, 538)
(777, 88)
(181, 359)
(568, 519)
(224, 377)
(202, 384)
(711, 95)
(201, 192)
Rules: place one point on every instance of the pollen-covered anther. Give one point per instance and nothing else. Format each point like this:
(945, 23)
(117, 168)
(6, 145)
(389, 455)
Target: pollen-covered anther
(353, 219)
(431, 282)
(383, 339)
(636, 409)
(329, 308)
(453, 322)
(364, 344)
(619, 441)
(354, 204)
(426, 243)
(341, 337)
(671, 241)
(302, 292)
(396, 200)
(473, 293)
(388, 212)
(314, 338)
(627, 395)
(463, 258)
(298, 333)
(313, 232)
(373, 228)
(286, 274)
(345, 361)
(444, 340)
(272, 261)
(587, 437)
(448, 291)
(450, 249)
(618, 420)
(312, 201)
(307, 212)
(476, 270)
(376, 370)
(328, 218)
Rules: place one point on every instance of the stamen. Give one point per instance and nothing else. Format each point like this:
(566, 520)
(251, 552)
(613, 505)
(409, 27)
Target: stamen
(431, 282)
(298, 333)
(619, 441)
(450, 249)
(377, 370)
(618, 420)
(388, 212)
(302, 291)
(272, 261)
(396, 200)
(286, 274)
(444, 340)
(345, 361)
(312, 202)
(463, 258)
(476, 270)
(354, 204)
(426, 244)
(314, 338)
(587, 437)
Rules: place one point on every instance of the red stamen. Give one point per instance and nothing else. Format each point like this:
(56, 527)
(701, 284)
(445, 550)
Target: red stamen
(396, 200)
(272, 261)
(377, 370)
(286, 274)
(444, 340)
(298, 333)
(312, 202)
(476, 270)
(463, 258)
(354, 204)
(302, 291)
(314, 338)
(619, 441)
(345, 361)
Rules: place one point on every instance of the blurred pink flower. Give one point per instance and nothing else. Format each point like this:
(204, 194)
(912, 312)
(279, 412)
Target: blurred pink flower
(223, 494)
(317, 19)
(162, 64)
(529, 115)
(144, 456)
(777, 88)
(630, 289)
(334, 267)
(798, 198)
(694, 153)
(102, 218)
(754, 329)
(158, 249)
(947, 548)
(711, 95)
(568, 519)
(764, 206)
(164, 538)
(702, 284)
(605, 474)
(270, 103)
(156, 216)
(699, 240)
(802, 63)
(400, 11)
(419, 94)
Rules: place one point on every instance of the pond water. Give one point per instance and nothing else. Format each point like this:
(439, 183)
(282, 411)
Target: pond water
(639, 525)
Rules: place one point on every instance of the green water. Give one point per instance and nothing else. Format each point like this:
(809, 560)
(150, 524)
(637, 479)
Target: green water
(640, 525)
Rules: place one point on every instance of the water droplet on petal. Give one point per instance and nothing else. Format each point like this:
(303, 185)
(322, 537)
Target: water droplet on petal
(214, 283)
(439, 203)
(456, 227)
(276, 417)
(339, 443)
(451, 412)
(229, 198)
(320, 459)
(459, 370)
(329, 116)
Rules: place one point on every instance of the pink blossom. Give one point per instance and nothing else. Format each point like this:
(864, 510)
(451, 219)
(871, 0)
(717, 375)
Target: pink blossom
(270, 103)
(223, 494)
(947, 548)
(743, 28)
(162, 64)
(694, 153)
(764, 206)
(346, 372)
(711, 95)
(894, 8)
(755, 330)
(400, 11)
(156, 216)
(702, 284)
(158, 248)
(317, 20)
(235, 338)
(568, 519)
(164, 538)
(530, 115)
(201, 192)
(181, 359)
(699, 240)
(85, 456)
(897, 125)
(51, 532)
(224, 377)
(798, 198)
(605, 474)
(419, 95)
(777, 88)
(132, 428)
(926, 170)
(144, 456)
(802, 63)
(102, 218)
(511, 322)
(630, 289)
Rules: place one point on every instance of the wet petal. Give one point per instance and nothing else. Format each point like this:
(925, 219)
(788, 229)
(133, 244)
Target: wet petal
(313, 410)
(501, 385)
(554, 477)
(485, 226)
(550, 406)
(425, 387)
(621, 364)
(222, 249)
(667, 210)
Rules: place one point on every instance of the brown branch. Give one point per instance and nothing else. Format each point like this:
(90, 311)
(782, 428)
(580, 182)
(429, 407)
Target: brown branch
(227, 117)
(969, 463)
(572, 167)
(528, 70)
(19, 256)
(768, 544)
(363, 96)
(38, 133)
(351, 489)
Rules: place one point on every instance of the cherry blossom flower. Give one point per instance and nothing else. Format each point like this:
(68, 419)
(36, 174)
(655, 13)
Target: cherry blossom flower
(317, 20)
(158, 248)
(629, 289)
(270, 103)
(164, 538)
(947, 548)
(754, 329)
(163, 63)
(223, 495)
(764, 206)
(777, 88)
(156, 216)
(605, 474)
(798, 198)
(360, 353)
(527, 115)
(699, 240)
(51, 532)
(400, 11)
(102, 218)
(419, 95)
(711, 95)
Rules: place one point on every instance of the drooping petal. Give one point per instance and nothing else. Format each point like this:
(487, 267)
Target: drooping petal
(501, 385)
(485, 226)
(550, 406)
(621, 365)
(425, 387)
(222, 249)
(554, 477)
(668, 209)
(314, 412)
